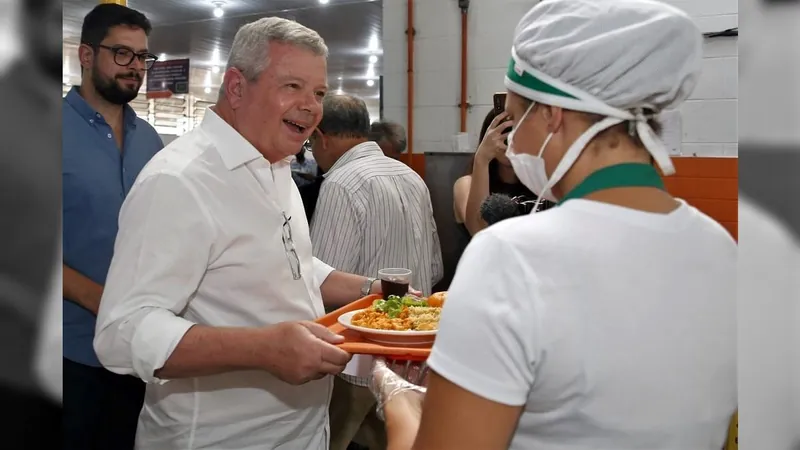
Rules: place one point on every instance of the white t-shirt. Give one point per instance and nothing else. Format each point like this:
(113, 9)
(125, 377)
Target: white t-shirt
(614, 328)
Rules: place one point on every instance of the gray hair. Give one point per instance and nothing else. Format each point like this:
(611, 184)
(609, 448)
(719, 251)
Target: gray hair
(391, 132)
(344, 116)
(250, 50)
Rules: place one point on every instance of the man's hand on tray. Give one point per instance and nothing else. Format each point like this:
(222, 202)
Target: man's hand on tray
(304, 351)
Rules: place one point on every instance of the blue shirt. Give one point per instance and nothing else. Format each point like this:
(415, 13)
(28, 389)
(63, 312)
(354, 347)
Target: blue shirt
(96, 179)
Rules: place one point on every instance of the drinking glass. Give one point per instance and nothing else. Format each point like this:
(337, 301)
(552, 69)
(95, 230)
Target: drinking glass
(394, 281)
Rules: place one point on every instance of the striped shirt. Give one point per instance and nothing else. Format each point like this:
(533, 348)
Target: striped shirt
(375, 212)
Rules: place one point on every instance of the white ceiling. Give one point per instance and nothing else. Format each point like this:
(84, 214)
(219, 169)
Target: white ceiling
(188, 28)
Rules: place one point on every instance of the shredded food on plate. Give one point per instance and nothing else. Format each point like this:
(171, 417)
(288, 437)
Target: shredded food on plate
(399, 314)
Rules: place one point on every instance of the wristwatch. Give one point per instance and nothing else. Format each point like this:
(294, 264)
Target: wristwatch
(366, 289)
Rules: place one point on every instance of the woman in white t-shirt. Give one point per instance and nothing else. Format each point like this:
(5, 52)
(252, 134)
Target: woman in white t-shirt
(609, 321)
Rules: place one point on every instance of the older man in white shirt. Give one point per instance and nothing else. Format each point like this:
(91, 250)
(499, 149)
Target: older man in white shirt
(213, 285)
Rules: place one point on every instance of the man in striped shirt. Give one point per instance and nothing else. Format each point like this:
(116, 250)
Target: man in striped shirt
(373, 212)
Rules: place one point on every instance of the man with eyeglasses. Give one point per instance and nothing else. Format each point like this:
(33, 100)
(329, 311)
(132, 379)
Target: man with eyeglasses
(104, 147)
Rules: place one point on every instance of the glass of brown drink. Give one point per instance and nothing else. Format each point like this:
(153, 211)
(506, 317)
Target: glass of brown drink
(394, 281)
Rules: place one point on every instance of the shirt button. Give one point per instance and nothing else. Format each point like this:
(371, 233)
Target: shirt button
(98, 115)
(91, 120)
(109, 135)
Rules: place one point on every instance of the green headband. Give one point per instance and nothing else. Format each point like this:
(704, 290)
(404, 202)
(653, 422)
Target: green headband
(517, 75)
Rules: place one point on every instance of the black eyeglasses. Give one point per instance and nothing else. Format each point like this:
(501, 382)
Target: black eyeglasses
(124, 56)
(288, 247)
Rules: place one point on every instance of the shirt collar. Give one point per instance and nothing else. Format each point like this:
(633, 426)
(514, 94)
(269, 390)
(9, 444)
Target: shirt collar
(361, 150)
(234, 149)
(76, 100)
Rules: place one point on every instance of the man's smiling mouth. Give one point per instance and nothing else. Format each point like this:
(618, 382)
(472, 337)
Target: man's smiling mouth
(295, 126)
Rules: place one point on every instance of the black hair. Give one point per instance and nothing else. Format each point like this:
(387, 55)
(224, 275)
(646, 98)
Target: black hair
(487, 121)
(494, 176)
(301, 155)
(344, 116)
(629, 127)
(103, 17)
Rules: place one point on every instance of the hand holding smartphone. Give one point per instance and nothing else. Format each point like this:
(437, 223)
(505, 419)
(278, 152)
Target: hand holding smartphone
(500, 106)
(499, 102)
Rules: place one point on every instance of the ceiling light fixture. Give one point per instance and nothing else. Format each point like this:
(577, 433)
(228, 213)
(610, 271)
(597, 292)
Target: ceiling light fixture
(323, 2)
(215, 69)
(218, 11)
(373, 59)
(207, 90)
(371, 71)
(370, 83)
(162, 56)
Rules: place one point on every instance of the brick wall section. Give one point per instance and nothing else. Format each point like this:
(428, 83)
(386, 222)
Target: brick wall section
(709, 118)
(710, 185)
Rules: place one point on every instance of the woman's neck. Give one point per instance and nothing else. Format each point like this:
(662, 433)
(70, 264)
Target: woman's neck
(506, 174)
(642, 198)
(597, 156)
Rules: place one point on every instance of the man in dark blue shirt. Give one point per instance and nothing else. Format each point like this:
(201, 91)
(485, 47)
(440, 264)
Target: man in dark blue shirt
(104, 147)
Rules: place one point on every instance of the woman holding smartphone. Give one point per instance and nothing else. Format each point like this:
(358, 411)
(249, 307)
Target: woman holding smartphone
(489, 172)
(609, 321)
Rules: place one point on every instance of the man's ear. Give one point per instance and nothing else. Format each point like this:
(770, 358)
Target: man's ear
(324, 141)
(235, 86)
(86, 55)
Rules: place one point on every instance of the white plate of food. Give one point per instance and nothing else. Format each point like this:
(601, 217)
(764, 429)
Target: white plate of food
(406, 321)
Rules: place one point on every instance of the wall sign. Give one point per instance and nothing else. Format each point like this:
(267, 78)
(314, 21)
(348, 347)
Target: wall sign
(167, 78)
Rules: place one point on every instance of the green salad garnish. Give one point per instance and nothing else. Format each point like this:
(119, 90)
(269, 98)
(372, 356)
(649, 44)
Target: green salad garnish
(393, 305)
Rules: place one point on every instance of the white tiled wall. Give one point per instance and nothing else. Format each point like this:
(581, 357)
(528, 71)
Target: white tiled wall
(709, 126)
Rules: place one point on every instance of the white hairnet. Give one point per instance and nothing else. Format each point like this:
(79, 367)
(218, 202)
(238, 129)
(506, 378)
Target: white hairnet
(615, 58)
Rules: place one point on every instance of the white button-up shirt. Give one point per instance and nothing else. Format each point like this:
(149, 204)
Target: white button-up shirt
(202, 241)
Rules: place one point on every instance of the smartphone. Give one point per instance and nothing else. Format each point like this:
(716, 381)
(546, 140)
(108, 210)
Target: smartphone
(499, 102)
(500, 106)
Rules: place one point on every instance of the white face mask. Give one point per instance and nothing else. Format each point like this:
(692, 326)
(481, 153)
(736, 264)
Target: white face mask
(528, 168)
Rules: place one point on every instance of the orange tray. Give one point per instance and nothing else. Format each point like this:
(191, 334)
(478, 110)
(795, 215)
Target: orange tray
(355, 344)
